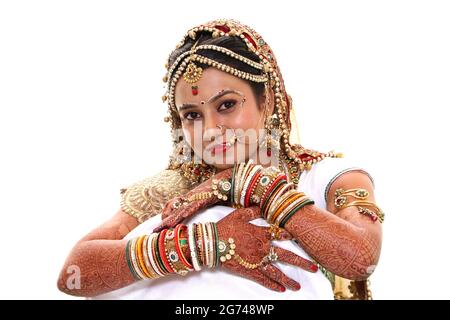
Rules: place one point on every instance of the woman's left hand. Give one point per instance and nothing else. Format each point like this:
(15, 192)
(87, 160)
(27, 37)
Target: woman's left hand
(178, 209)
(254, 255)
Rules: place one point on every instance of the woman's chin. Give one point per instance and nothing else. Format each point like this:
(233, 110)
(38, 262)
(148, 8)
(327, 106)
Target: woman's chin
(222, 166)
(224, 160)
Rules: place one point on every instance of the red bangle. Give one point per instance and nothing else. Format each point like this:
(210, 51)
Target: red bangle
(162, 251)
(250, 189)
(270, 187)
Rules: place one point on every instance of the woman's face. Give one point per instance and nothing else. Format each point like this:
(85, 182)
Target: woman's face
(222, 122)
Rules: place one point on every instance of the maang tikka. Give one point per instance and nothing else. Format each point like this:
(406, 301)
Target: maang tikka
(193, 73)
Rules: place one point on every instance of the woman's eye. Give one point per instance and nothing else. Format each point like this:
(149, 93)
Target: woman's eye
(227, 105)
(191, 115)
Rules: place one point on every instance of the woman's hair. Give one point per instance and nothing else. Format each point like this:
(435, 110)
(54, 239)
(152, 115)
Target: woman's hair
(232, 43)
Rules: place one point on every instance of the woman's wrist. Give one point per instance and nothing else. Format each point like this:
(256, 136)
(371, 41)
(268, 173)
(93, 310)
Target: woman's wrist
(267, 188)
(177, 251)
(214, 190)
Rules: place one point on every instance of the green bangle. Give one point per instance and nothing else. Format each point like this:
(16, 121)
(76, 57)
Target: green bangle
(232, 185)
(130, 266)
(294, 210)
(217, 243)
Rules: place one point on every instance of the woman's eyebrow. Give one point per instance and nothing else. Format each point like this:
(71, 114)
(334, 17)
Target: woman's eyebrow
(221, 94)
(215, 97)
(185, 106)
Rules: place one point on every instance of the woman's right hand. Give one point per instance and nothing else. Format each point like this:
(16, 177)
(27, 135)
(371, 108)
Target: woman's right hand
(253, 245)
(174, 212)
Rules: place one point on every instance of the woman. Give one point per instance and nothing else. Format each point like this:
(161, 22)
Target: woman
(234, 188)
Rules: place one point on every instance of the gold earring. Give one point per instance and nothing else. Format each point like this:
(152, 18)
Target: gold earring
(182, 152)
(272, 124)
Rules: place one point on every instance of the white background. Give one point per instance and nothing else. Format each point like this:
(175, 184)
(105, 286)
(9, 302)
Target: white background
(81, 117)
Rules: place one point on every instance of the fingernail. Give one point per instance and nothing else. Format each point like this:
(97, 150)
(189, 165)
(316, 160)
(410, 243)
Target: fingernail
(297, 286)
(314, 268)
(282, 289)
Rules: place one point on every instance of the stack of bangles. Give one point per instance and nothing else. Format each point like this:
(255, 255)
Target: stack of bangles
(252, 185)
(179, 250)
(269, 189)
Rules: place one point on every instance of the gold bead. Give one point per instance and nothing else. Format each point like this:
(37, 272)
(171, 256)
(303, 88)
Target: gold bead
(192, 34)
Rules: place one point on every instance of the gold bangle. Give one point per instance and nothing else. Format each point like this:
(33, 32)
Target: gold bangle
(267, 176)
(172, 254)
(140, 256)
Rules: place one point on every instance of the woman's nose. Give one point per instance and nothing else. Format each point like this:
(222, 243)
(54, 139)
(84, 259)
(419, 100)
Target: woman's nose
(212, 129)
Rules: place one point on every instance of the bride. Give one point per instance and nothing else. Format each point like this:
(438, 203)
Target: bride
(241, 212)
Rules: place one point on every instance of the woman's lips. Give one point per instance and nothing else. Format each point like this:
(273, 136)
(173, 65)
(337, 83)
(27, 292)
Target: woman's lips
(220, 148)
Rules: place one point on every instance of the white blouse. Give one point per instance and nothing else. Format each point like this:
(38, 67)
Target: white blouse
(219, 283)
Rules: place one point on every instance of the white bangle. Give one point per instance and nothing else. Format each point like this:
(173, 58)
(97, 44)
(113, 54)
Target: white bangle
(150, 255)
(250, 176)
(237, 180)
(284, 193)
(193, 247)
(210, 246)
(205, 241)
(242, 178)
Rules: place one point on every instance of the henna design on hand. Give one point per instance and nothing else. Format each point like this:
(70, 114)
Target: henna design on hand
(253, 244)
(172, 216)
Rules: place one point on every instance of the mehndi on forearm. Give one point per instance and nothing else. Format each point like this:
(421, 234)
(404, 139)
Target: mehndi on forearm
(341, 247)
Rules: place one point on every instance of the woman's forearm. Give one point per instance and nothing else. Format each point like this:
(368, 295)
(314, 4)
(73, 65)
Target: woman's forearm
(95, 267)
(338, 245)
(97, 263)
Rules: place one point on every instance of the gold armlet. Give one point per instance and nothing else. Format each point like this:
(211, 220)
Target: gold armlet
(341, 202)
